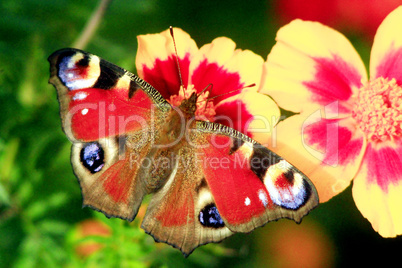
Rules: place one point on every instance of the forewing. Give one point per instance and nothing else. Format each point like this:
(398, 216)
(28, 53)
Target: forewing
(99, 99)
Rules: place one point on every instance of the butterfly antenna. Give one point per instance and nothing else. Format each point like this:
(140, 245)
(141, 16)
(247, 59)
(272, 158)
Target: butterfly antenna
(251, 85)
(177, 56)
(205, 89)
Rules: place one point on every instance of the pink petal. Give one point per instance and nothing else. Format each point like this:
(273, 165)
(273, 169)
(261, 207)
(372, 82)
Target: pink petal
(390, 65)
(384, 166)
(333, 81)
(386, 54)
(335, 140)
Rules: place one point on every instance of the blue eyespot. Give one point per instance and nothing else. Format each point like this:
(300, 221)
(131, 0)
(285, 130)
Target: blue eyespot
(209, 217)
(92, 157)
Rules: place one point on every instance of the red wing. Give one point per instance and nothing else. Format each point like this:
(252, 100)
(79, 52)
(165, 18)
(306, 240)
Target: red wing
(99, 99)
(250, 184)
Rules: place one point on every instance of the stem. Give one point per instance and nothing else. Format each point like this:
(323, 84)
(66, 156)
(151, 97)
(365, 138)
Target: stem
(92, 25)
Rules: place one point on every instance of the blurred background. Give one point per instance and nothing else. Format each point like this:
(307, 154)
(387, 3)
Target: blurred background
(41, 220)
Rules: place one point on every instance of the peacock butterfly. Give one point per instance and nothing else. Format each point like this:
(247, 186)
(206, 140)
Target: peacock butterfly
(208, 180)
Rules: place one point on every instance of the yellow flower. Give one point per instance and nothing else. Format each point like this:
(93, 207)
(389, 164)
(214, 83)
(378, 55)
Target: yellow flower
(347, 127)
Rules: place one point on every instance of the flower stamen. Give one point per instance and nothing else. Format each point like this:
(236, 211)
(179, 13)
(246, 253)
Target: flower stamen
(378, 109)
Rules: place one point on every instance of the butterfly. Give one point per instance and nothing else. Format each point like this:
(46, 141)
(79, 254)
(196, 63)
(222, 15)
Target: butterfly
(208, 180)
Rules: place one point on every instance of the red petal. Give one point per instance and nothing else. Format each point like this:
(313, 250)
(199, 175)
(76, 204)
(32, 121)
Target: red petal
(164, 75)
(222, 80)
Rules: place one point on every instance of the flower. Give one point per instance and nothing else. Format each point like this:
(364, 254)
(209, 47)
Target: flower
(88, 228)
(346, 127)
(347, 15)
(218, 70)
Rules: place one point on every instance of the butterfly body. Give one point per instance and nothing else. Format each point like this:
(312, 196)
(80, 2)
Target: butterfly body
(207, 180)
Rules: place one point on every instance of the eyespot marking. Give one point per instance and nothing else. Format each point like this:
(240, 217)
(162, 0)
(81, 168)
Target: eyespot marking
(209, 217)
(78, 70)
(286, 186)
(92, 157)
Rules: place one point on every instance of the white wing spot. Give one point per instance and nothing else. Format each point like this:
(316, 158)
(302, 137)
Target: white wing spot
(247, 201)
(80, 96)
(263, 197)
(84, 111)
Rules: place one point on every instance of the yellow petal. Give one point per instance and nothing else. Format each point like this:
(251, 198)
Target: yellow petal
(377, 189)
(152, 47)
(387, 41)
(330, 157)
(309, 52)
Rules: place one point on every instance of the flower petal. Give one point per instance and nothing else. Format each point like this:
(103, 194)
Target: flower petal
(377, 189)
(251, 113)
(156, 60)
(328, 151)
(225, 68)
(311, 64)
(386, 54)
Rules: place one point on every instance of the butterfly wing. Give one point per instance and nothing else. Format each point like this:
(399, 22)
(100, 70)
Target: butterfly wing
(99, 99)
(110, 115)
(251, 185)
(173, 215)
(224, 182)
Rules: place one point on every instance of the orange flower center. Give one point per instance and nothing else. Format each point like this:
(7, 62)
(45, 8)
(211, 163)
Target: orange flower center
(378, 109)
(205, 108)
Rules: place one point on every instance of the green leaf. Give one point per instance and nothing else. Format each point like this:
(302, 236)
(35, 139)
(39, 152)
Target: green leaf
(4, 196)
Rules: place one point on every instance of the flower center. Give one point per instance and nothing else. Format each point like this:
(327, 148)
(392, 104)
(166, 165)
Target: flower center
(205, 108)
(378, 109)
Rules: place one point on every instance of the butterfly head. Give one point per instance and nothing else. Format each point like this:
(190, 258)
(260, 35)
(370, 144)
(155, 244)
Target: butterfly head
(189, 106)
(194, 104)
